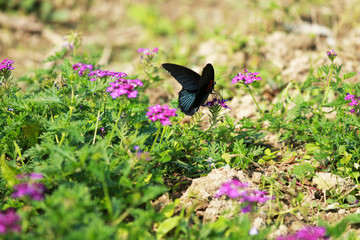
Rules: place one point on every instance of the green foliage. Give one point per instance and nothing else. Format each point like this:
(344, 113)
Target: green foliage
(105, 163)
(340, 228)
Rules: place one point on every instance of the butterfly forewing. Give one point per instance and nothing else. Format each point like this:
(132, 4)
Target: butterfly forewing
(207, 78)
(186, 77)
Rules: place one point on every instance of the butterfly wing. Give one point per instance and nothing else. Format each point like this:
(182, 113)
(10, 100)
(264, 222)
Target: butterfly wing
(206, 86)
(207, 78)
(186, 101)
(189, 79)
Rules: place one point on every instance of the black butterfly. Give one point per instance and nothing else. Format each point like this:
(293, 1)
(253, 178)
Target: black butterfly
(196, 88)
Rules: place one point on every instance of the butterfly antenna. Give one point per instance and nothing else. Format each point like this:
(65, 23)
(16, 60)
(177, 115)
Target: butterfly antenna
(227, 76)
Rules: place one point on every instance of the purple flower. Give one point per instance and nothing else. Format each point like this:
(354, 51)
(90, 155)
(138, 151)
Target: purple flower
(246, 78)
(28, 187)
(247, 208)
(123, 86)
(354, 102)
(307, 233)
(34, 190)
(82, 67)
(231, 188)
(103, 73)
(146, 51)
(331, 55)
(9, 221)
(69, 45)
(7, 64)
(212, 162)
(249, 198)
(161, 113)
(216, 101)
(254, 196)
(36, 176)
(71, 41)
(349, 96)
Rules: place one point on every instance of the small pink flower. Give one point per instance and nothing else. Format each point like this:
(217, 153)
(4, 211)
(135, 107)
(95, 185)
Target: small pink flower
(331, 55)
(7, 64)
(246, 78)
(123, 86)
(161, 113)
(82, 67)
(9, 221)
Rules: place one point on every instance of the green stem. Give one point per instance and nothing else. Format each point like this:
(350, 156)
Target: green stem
(63, 134)
(107, 197)
(157, 135)
(163, 132)
(121, 217)
(96, 126)
(329, 80)
(254, 99)
(115, 126)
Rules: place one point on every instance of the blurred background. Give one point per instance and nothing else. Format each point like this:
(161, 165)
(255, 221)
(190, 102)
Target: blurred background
(282, 39)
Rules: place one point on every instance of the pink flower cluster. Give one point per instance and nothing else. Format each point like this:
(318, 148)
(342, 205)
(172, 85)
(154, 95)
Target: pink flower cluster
(307, 233)
(120, 86)
(103, 73)
(9, 221)
(7, 64)
(146, 51)
(354, 102)
(246, 78)
(28, 187)
(123, 86)
(82, 67)
(249, 197)
(161, 113)
(231, 188)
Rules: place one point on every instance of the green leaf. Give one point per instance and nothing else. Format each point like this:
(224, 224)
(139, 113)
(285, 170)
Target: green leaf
(8, 172)
(349, 75)
(340, 228)
(311, 147)
(166, 226)
(169, 209)
(351, 199)
(301, 171)
(226, 157)
(152, 192)
(267, 152)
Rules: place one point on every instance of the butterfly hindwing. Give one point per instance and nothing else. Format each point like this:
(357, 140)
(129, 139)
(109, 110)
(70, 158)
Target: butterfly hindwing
(186, 77)
(186, 101)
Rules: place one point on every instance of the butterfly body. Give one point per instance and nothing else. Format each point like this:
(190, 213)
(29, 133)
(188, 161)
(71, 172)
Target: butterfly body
(196, 88)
